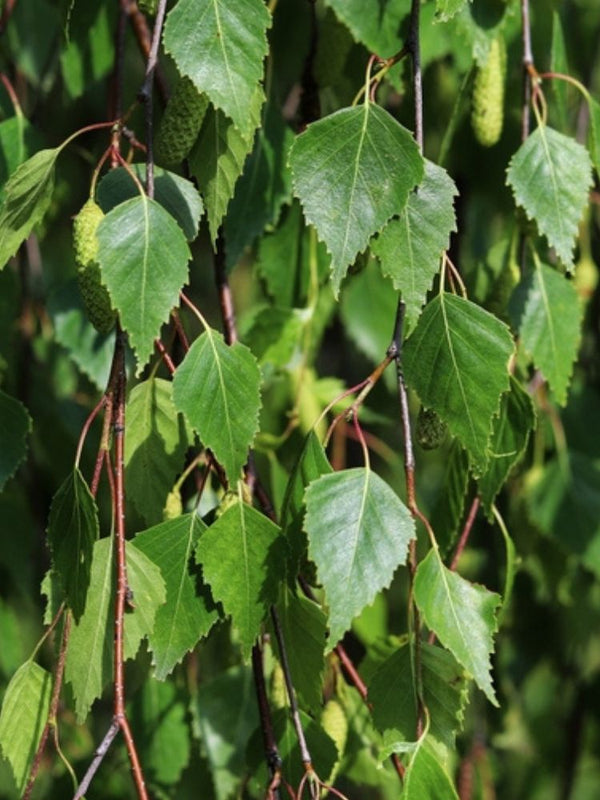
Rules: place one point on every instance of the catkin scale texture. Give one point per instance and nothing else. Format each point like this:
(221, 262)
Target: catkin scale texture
(487, 113)
(95, 296)
(180, 123)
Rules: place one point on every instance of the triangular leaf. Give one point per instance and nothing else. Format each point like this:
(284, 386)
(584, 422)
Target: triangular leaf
(375, 24)
(218, 157)
(352, 171)
(189, 611)
(410, 247)
(426, 777)
(510, 435)
(358, 534)
(550, 326)
(15, 424)
(217, 388)
(233, 42)
(176, 195)
(392, 693)
(461, 614)
(154, 446)
(72, 530)
(89, 663)
(27, 195)
(550, 175)
(304, 628)
(454, 344)
(243, 559)
(24, 713)
(143, 256)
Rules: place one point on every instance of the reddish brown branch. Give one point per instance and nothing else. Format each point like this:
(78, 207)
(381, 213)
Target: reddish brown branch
(464, 537)
(9, 6)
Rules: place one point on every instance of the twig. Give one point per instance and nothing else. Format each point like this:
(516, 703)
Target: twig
(144, 40)
(527, 64)
(145, 94)
(224, 291)
(464, 537)
(101, 752)
(9, 6)
(272, 756)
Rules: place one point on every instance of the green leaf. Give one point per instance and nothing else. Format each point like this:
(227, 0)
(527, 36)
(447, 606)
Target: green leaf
(161, 730)
(448, 511)
(594, 135)
(15, 425)
(143, 256)
(232, 40)
(72, 530)
(446, 9)
(189, 611)
(218, 157)
(224, 715)
(550, 175)
(274, 335)
(392, 693)
(352, 171)
(88, 54)
(89, 662)
(217, 388)
(24, 713)
(27, 195)
(411, 246)
(550, 326)
(510, 435)
(243, 559)
(358, 534)
(461, 614)
(564, 502)
(304, 628)
(454, 344)
(375, 24)
(89, 350)
(175, 194)
(426, 777)
(559, 64)
(17, 140)
(155, 446)
(264, 186)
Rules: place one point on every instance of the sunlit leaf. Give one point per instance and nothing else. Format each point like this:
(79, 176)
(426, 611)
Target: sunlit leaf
(461, 614)
(143, 256)
(358, 534)
(217, 388)
(352, 171)
(24, 713)
(426, 777)
(189, 611)
(233, 42)
(243, 558)
(550, 175)
(454, 344)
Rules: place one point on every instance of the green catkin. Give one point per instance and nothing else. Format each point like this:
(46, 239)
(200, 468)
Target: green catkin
(430, 429)
(180, 123)
(95, 296)
(173, 506)
(487, 112)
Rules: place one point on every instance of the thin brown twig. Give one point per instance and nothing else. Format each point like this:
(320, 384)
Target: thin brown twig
(271, 750)
(144, 39)
(99, 755)
(146, 94)
(9, 6)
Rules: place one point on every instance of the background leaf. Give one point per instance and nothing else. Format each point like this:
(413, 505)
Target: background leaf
(550, 325)
(461, 614)
(243, 558)
(352, 171)
(358, 534)
(27, 195)
(550, 175)
(155, 446)
(232, 40)
(426, 777)
(374, 24)
(217, 388)
(72, 530)
(24, 713)
(189, 611)
(454, 343)
(143, 256)
(15, 425)
(411, 246)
